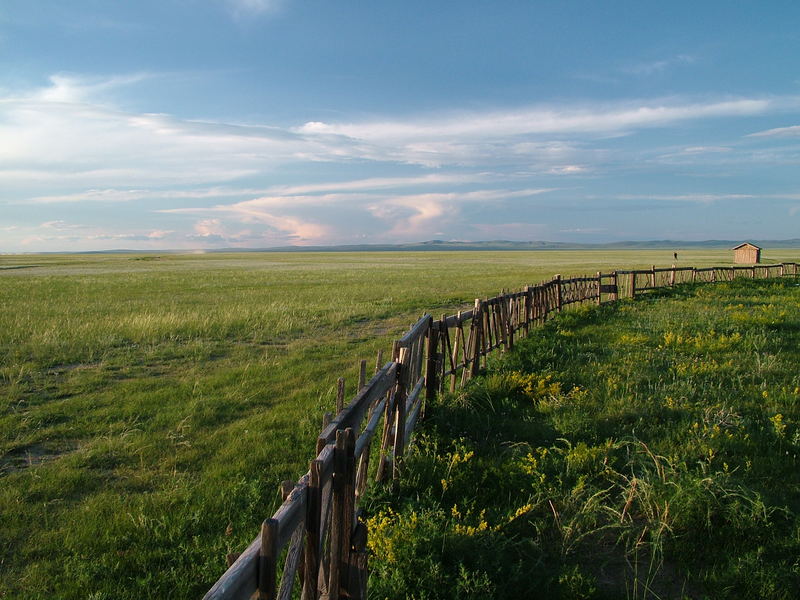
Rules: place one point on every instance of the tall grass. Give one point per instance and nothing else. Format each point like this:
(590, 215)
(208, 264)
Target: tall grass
(643, 450)
(150, 406)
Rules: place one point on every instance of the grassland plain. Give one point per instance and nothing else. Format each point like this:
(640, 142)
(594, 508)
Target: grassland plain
(645, 449)
(150, 405)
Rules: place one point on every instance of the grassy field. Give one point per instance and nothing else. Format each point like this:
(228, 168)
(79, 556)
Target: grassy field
(644, 449)
(149, 406)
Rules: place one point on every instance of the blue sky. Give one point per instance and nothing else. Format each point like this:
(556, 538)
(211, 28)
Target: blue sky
(192, 124)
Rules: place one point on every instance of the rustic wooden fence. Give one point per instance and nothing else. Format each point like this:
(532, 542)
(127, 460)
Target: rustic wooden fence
(315, 543)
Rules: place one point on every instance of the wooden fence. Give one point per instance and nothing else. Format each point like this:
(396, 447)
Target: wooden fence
(316, 541)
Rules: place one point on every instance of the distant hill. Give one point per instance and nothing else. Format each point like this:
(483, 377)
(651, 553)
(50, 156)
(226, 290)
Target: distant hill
(442, 245)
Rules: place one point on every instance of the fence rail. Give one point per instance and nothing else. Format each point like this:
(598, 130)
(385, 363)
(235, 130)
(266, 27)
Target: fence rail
(316, 539)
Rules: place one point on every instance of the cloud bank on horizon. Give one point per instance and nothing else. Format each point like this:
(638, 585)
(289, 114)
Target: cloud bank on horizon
(256, 123)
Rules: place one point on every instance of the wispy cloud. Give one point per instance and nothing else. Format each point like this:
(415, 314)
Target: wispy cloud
(249, 8)
(658, 66)
(396, 216)
(792, 131)
(62, 132)
(73, 88)
(114, 195)
(72, 143)
(697, 198)
(518, 122)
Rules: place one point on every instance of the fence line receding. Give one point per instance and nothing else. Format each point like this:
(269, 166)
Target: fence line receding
(316, 541)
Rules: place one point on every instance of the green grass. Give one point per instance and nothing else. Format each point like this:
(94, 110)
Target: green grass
(645, 449)
(149, 406)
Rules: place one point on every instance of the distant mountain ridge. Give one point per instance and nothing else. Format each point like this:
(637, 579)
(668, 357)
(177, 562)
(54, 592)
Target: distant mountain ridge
(443, 245)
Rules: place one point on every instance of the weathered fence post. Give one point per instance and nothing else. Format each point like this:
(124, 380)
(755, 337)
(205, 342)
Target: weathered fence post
(559, 298)
(615, 293)
(339, 395)
(311, 557)
(432, 365)
(268, 560)
(633, 284)
(358, 561)
(341, 513)
(528, 307)
(672, 276)
(653, 276)
(362, 375)
(599, 288)
(379, 360)
(475, 336)
(505, 328)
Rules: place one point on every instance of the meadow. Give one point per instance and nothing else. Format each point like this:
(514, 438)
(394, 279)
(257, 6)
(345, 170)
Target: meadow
(642, 449)
(150, 405)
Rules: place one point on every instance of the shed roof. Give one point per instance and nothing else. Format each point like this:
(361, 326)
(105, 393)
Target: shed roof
(746, 244)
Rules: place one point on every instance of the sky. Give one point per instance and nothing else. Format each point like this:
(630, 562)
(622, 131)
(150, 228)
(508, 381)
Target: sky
(199, 124)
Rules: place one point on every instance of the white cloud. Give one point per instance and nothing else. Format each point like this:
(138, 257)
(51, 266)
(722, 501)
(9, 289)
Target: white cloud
(567, 170)
(706, 149)
(698, 198)
(247, 8)
(658, 66)
(526, 121)
(792, 131)
(72, 88)
(374, 183)
(64, 135)
(403, 216)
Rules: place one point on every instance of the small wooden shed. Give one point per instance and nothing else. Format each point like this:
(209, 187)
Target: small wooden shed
(747, 254)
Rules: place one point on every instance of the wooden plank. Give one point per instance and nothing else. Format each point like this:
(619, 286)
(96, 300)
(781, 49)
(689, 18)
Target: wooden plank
(366, 436)
(417, 330)
(386, 437)
(412, 398)
(240, 581)
(325, 462)
(457, 319)
(294, 558)
(292, 512)
(353, 414)
(411, 421)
